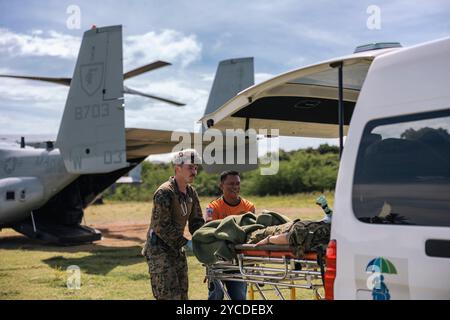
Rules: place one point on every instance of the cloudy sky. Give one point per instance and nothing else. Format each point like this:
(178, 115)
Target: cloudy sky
(39, 38)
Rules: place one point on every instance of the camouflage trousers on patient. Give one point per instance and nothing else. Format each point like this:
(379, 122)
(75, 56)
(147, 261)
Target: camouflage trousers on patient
(168, 273)
(260, 234)
(302, 236)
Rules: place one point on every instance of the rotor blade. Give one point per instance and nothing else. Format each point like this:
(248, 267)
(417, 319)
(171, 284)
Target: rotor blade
(63, 81)
(66, 81)
(138, 93)
(146, 68)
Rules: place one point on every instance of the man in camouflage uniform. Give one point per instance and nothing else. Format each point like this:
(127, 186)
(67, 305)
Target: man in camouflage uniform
(175, 203)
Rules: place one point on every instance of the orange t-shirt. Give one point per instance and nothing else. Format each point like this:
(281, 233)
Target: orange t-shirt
(219, 209)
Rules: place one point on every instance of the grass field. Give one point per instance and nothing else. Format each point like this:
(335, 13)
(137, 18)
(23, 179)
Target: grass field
(113, 267)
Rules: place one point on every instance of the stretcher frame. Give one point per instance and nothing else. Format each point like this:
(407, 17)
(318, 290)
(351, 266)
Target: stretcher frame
(270, 268)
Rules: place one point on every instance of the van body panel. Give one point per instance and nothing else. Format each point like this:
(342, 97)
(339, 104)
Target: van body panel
(409, 81)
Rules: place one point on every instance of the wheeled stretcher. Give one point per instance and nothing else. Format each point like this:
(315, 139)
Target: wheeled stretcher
(270, 268)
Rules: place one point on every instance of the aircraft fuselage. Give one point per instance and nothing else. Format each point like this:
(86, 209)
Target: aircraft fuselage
(28, 179)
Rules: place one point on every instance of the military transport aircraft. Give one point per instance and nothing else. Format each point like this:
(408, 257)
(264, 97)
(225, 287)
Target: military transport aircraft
(44, 189)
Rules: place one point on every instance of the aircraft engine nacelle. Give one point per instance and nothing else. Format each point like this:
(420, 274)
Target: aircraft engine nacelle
(18, 196)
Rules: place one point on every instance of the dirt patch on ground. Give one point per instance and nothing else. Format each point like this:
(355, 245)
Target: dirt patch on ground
(119, 234)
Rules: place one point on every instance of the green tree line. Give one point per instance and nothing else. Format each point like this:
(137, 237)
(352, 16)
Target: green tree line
(304, 170)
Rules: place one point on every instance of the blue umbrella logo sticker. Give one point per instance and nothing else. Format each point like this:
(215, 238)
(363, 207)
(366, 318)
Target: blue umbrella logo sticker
(378, 266)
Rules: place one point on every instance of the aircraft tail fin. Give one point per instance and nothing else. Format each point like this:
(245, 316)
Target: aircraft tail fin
(232, 76)
(91, 137)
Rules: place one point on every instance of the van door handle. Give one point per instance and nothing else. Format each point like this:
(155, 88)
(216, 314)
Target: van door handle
(437, 248)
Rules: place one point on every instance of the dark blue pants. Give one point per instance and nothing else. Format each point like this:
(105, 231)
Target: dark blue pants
(236, 290)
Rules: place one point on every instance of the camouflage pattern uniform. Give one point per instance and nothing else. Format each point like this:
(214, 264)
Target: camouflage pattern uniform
(301, 235)
(260, 234)
(164, 246)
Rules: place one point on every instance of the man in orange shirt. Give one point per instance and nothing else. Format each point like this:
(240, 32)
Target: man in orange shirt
(230, 203)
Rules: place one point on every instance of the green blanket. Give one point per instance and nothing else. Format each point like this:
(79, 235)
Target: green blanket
(216, 239)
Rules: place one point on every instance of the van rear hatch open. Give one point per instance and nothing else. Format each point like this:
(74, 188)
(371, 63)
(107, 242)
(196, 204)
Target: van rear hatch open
(303, 102)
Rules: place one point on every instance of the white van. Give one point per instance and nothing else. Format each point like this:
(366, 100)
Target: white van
(390, 231)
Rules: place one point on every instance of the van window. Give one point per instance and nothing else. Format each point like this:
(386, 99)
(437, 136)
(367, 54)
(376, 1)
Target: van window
(402, 172)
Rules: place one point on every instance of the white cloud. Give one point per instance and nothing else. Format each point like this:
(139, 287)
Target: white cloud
(37, 32)
(32, 92)
(17, 123)
(168, 45)
(207, 77)
(37, 43)
(261, 77)
(138, 49)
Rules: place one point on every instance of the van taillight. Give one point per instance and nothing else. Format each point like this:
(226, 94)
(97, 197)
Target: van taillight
(330, 273)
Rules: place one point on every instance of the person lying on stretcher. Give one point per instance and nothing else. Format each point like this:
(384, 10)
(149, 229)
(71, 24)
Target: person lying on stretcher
(306, 235)
(215, 240)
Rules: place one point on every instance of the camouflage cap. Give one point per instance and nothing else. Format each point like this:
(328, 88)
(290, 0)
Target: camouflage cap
(187, 156)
